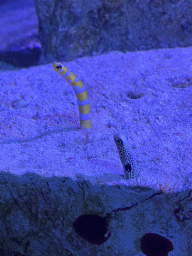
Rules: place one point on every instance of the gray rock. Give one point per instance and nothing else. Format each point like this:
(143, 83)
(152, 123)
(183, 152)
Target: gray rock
(61, 216)
(72, 29)
(60, 196)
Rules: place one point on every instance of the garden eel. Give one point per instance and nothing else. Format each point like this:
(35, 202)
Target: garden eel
(127, 160)
(85, 120)
(80, 92)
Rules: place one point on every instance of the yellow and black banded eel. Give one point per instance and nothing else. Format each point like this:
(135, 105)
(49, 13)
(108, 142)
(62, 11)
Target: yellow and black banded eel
(80, 92)
(126, 158)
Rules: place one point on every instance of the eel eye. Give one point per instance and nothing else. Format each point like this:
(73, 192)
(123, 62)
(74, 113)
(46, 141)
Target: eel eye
(119, 141)
(59, 66)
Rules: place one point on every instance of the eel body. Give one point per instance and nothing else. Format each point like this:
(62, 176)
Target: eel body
(80, 92)
(126, 158)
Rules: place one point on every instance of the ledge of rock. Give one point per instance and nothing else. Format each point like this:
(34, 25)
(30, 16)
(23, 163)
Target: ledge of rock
(62, 196)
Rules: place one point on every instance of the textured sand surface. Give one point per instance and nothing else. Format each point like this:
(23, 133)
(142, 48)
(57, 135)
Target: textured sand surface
(39, 120)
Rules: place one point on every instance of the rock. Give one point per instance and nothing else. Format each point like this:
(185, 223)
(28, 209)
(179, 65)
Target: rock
(61, 216)
(73, 29)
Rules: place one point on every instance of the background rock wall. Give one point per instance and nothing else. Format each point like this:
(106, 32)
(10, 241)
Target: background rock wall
(71, 29)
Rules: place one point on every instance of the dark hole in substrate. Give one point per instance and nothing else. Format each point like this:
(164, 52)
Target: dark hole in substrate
(134, 95)
(92, 228)
(155, 245)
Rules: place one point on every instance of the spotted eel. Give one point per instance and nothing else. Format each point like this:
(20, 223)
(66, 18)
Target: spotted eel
(127, 160)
